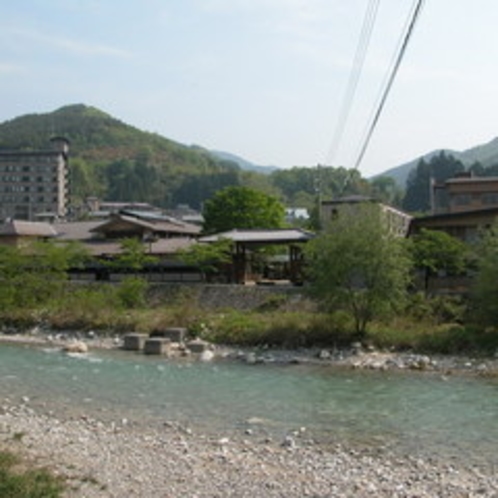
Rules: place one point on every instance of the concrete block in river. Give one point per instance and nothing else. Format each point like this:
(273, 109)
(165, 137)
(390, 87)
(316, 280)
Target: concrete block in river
(134, 342)
(198, 346)
(156, 345)
(174, 334)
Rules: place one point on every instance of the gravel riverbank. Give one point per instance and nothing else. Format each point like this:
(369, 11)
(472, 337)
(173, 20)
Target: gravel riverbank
(118, 459)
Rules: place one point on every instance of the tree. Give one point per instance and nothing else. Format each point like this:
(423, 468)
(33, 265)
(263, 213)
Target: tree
(208, 257)
(385, 189)
(434, 251)
(133, 255)
(484, 290)
(441, 167)
(242, 207)
(37, 272)
(356, 264)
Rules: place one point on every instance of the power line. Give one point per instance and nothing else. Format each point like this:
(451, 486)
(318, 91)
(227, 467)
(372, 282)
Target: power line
(413, 18)
(354, 76)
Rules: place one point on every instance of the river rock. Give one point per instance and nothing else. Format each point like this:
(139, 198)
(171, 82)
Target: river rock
(206, 355)
(250, 358)
(75, 347)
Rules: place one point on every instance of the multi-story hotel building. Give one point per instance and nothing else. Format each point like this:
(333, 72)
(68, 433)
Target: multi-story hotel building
(464, 193)
(34, 184)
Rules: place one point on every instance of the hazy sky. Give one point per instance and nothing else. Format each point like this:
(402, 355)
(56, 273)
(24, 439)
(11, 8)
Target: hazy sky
(263, 79)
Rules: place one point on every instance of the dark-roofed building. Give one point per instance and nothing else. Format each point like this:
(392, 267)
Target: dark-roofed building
(160, 234)
(20, 232)
(162, 237)
(145, 226)
(462, 206)
(465, 193)
(34, 182)
(464, 225)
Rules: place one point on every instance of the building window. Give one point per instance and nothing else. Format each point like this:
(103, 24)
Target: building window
(462, 199)
(489, 198)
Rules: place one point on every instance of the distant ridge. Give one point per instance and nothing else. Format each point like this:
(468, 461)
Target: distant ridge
(243, 163)
(486, 154)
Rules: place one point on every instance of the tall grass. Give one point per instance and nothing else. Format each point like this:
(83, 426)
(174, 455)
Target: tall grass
(17, 481)
(433, 325)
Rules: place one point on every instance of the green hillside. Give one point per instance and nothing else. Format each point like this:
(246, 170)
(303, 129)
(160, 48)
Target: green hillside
(93, 135)
(118, 162)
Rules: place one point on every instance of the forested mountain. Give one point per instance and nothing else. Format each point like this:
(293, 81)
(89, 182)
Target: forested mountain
(117, 162)
(486, 155)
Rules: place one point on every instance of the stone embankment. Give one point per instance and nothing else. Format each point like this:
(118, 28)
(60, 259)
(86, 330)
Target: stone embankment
(121, 458)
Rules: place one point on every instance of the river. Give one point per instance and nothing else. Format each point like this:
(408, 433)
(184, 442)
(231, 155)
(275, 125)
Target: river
(454, 417)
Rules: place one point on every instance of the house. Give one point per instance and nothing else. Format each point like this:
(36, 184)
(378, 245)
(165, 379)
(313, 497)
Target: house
(162, 237)
(146, 226)
(464, 225)
(398, 222)
(463, 193)
(98, 209)
(462, 206)
(185, 213)
(34, 184)
(19, 232)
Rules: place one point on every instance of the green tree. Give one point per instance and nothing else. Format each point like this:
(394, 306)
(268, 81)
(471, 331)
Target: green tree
(357, 265)
(208, 257)
(385, 189)
(133, 255)
(484, 290)
(434, 251)
(242, 207)
(36, 273)
(418, 187)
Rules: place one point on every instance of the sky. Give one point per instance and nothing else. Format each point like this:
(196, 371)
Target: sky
(262, 79)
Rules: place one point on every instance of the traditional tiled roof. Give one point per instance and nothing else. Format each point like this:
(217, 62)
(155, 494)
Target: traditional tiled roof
(285, 235)
(77, 230)
(157, 248)
(152, 223)
(22, 228)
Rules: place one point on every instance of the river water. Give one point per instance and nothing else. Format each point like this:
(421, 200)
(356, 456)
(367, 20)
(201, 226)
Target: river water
(453, 418)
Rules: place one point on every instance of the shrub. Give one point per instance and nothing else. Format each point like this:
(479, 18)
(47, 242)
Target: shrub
(436, 309)
(31, 483)
(282, 329)
(131, 292)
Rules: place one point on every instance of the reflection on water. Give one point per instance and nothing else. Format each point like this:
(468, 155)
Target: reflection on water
(455, 417)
